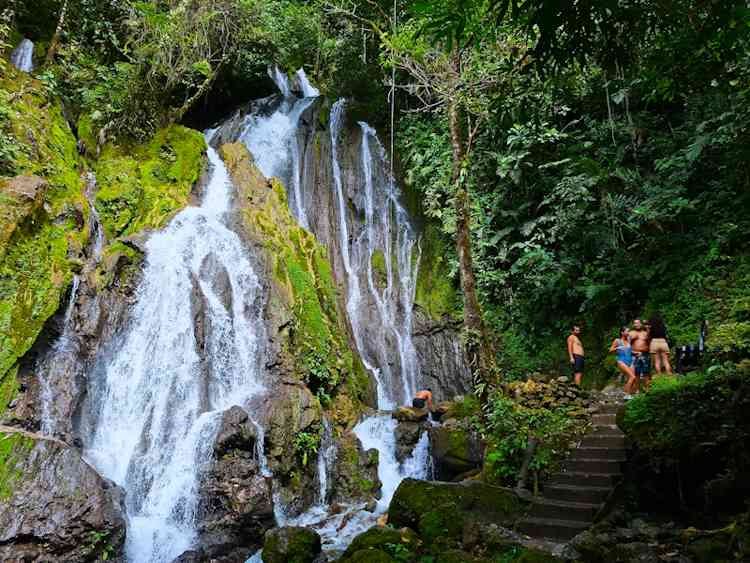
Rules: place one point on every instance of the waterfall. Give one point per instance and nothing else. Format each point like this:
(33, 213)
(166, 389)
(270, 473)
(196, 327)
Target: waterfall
(96, 231)
(22, 56)
(308, 90)
(155, 403)
(275, 143)
(326, 457)
(379, 256)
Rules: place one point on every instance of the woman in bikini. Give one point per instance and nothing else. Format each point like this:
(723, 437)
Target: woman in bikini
(624, 353)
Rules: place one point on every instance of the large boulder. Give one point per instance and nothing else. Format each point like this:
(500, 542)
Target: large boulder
(291, 545)
(387, 540)
(456, 450)
(236, 499)
(355, 471)
(53, 505)
(441, 512)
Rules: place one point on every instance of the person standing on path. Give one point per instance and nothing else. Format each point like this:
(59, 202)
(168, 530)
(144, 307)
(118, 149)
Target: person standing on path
(575, 353)
(640, 342)
(624, 354)
(659, 346)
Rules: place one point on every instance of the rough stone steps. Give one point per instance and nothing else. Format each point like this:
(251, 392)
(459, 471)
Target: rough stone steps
(552, 528)
(588, 452)
(577, 493)
(604, 441)
(583, 478)
(573, 497)
(609, 466)
(563, 510)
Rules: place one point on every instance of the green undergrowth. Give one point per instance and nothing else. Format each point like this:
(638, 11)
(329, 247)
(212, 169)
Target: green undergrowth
(301, 269)
(13, 451)
(41, 238)
(142, 186)
(679, 412)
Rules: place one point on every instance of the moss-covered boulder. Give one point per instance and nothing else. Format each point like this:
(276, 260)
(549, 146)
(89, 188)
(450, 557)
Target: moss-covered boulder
(355, 471)
(142, 186)
(53, 505)
(456, 450)
(291, 545)
(439, 512)
(403, 544)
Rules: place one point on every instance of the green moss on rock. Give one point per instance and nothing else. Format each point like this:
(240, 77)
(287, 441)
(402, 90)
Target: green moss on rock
(13, 451)
(302, 274)
(436, 292)
(41, 229)
(142, 186)
(291, 545)
(401, 543)
(439, 511)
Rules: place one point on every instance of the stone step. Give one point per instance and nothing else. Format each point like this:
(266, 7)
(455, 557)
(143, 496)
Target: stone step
(603, 441)
(608, 466)
(610, 408)
(583, 452)
(582, 478)
(604, 419)
(552, 529)
(575, 493)
(563, 510)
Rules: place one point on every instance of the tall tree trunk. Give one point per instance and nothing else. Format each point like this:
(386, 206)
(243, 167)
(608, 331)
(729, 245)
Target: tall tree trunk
(55, 42)
(478, 348)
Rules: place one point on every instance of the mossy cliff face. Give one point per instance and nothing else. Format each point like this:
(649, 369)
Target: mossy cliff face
(43, 218)
(315, 340)
(311, 362)
(143, 186)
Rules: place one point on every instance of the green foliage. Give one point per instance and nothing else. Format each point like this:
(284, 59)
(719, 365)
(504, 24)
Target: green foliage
(306, 446)
(509, 427)
(679, 412)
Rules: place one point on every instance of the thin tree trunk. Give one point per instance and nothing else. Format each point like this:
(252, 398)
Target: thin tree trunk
(54, 44)
(478, 349)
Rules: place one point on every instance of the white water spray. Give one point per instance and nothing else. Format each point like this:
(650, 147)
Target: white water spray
(22, 56)
(274, 141)
(156, 405)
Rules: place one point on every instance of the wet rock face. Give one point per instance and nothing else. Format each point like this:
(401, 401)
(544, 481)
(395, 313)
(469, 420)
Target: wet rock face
(355, 472)
(55, 507)
(441, 356)
(237, 504)
(291, 545)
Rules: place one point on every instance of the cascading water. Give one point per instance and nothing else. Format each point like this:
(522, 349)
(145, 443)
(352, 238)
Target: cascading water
(154, 406)
(274, 140)
(385, 234)
(22, 56)
(56, 365)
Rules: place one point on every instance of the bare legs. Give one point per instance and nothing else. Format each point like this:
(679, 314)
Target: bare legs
(577, 377)
(661, 363)
(630, 381)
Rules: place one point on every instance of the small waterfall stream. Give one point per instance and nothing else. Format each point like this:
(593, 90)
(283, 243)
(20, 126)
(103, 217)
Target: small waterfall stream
(154, 406)
(22, 56)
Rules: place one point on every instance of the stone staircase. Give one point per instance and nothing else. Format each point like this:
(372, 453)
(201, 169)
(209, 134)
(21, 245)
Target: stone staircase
(573, 497)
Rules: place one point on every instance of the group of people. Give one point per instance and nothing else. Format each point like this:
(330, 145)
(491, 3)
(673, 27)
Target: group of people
(637, 347)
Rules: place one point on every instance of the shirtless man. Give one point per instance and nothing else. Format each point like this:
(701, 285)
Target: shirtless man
(422, 398)
(640, 341)
(575, 353)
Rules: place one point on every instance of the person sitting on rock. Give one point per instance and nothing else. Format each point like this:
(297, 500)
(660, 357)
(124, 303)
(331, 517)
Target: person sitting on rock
(423, 398)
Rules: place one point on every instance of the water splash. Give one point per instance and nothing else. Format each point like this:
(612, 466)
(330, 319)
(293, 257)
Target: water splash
(275, 143)
(155, 406)
(22, 56)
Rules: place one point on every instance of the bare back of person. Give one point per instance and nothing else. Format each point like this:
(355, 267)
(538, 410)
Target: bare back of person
(423, 399)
